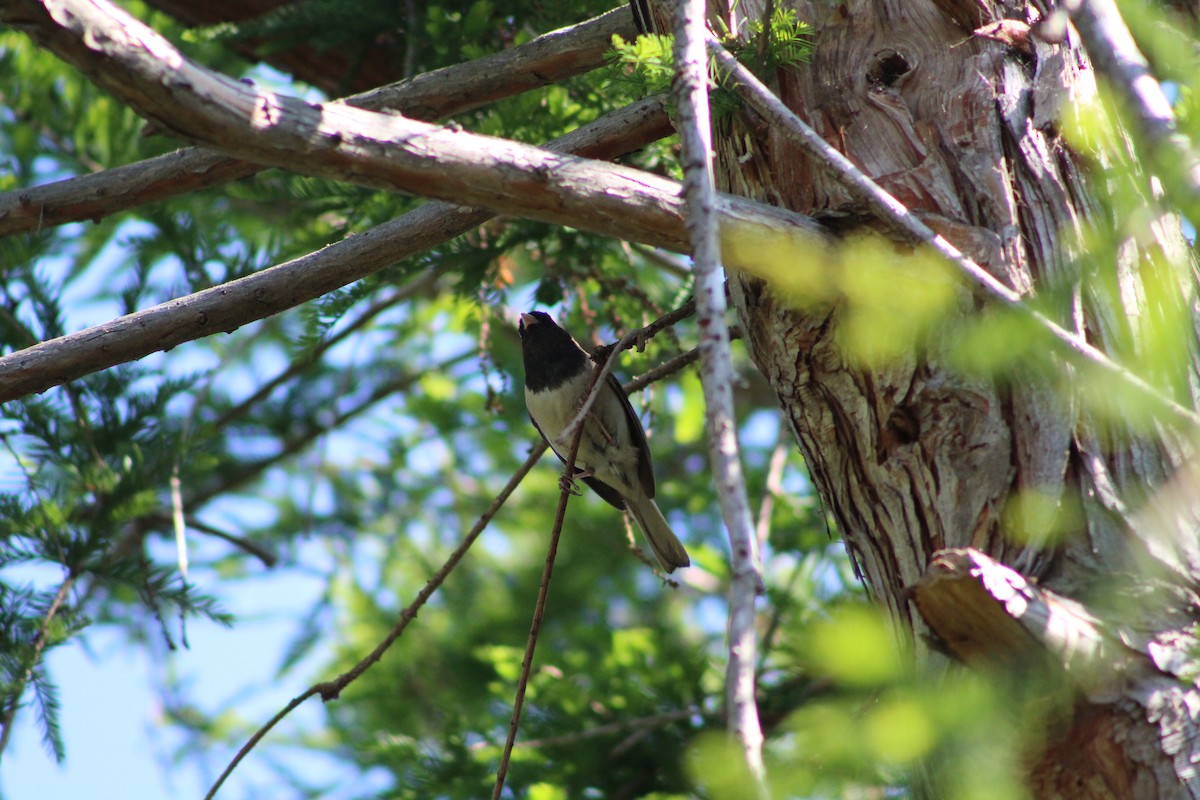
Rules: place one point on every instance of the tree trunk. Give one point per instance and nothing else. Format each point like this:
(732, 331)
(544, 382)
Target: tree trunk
(916, 460)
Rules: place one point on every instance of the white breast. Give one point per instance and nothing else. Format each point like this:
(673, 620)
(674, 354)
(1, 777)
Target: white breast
(554, 409)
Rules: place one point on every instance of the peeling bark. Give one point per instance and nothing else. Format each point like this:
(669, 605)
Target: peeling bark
(916, 458)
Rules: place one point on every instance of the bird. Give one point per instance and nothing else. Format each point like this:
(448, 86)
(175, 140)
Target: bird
(614, 457)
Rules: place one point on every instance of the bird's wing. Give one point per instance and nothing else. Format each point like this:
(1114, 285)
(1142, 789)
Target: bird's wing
(637, 439)
(606, 492)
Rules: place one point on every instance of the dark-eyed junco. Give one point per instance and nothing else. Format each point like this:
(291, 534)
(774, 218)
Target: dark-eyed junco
(613, 458)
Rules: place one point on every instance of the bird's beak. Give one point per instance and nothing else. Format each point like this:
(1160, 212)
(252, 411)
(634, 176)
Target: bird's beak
(528, 319)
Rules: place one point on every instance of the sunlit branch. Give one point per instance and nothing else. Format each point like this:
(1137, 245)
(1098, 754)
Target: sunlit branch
(245, 300)
(717, 378)
(340, 142)
(433, 95)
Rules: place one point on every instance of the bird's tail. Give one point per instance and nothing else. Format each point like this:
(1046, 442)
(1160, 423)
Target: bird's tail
(666, 545)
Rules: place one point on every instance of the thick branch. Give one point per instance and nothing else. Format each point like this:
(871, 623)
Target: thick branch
(433, 95)
(340, 142)
(231, 305)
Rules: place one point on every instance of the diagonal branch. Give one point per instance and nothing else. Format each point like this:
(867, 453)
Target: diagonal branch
(330, 690)
(231, 305)
(340, 142)
(433, 95)
(892, 211)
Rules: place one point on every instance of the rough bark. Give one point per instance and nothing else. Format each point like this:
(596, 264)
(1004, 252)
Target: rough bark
(916, 457)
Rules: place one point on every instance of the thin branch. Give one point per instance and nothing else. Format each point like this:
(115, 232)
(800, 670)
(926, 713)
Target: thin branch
(245, 300)
(295, 443)
(267, 558)
(330, 690)
(652, 721)
(433, 95)
(604, 365)
(1116, 56)
(39, 645)
(773, 488)
(891, 210)
(575, 431)
(717, 378)
(419, 284)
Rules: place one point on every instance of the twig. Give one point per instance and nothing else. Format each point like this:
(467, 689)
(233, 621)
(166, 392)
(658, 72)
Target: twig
(603, 368)
(267, 558)
(331, 689)
(603, 730)
(576, 428)
(419, 284)
(39, 644)
(298, 442)
(891, 210)
(717, 377)
(773, 488)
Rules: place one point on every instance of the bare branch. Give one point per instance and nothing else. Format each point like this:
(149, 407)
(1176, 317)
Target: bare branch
(717, 377)
(231, 305)
(340, 142)
(605, 360)
(575, 431)
(433, 95)
(891, 210)
(330, 690)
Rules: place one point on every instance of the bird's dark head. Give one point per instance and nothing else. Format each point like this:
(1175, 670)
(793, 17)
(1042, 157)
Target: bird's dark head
(551, 355)
(532, 318)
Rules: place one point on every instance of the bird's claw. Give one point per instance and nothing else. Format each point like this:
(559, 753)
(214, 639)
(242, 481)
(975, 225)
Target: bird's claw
(569, 486)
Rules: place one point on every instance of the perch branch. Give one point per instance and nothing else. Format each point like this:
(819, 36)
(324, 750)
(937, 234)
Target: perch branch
(574, 430)
(330, 690)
